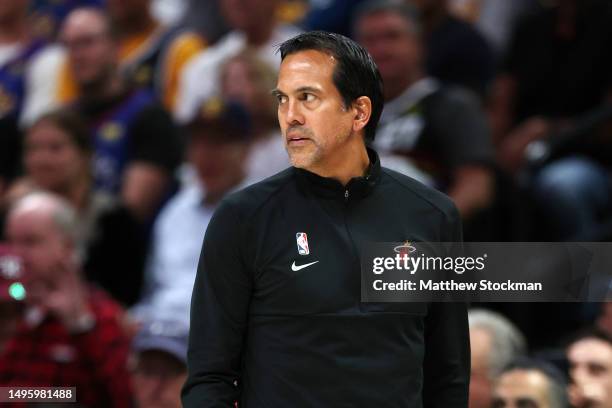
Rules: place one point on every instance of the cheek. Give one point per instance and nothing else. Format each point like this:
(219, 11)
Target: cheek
(172, 389)
(142, 388)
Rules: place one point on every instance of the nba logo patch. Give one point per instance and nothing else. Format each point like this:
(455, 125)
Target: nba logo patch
(302, 243)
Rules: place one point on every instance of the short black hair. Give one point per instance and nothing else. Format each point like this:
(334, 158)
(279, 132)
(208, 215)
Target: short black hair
(71, 123)
(355, 74)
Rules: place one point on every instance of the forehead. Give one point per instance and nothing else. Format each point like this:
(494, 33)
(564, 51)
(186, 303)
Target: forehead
(30, 222)
(590, 350)
(523, 383)
(306, 68)
(83, 22)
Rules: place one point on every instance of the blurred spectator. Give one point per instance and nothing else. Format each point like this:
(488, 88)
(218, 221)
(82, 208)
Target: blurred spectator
(151, 55)
(136, 145)
(495, 342)
(48, 15)
(218, 147)
(559, 69)
(248, 80)
(71, 335)
(441, 129)
(253, 25)
(530, 384)
(590, 360)
(495, 19)
(18, 51)
(158, 363)
(12, 294)
(456, 52)
(57, 158)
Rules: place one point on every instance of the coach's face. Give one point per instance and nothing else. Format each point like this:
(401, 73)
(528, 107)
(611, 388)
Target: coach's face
(314, 121)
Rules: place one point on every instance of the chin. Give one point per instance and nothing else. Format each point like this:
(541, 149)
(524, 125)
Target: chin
(300, 161)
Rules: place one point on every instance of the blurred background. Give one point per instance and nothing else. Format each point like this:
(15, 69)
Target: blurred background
(123, 123)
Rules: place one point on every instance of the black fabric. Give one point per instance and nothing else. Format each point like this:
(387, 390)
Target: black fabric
(154, 138)
(458, 54)
(10, 149)
(115, 259)
(305, 339)
(454, 133)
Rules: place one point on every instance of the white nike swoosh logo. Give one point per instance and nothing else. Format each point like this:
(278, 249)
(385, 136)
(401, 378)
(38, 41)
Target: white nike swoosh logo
(296, 268)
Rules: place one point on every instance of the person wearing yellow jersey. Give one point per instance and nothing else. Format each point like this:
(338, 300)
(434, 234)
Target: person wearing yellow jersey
(150, 54)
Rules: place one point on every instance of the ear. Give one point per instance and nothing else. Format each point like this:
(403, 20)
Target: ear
(362, 107)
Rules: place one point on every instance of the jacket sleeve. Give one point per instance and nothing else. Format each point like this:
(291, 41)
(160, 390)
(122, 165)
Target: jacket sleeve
(219, 314)
(446, 366)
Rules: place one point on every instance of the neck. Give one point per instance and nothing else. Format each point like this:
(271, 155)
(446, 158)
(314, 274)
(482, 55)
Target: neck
(343, 170)
(13, 30)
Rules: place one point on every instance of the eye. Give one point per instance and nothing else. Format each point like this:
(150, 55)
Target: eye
(281, 98)
(308, 97)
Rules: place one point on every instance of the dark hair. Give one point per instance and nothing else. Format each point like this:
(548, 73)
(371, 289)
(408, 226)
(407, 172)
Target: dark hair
(557, 381)
(355, 74)
(70, 123)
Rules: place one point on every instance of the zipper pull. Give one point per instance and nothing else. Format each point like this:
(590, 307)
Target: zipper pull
(346, 195)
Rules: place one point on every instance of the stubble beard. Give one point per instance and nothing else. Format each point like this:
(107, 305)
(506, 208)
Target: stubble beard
(306, 156)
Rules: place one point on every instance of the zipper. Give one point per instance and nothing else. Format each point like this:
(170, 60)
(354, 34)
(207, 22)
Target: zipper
(355, 254)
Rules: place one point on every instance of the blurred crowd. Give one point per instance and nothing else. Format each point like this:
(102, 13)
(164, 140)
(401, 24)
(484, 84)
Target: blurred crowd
(123, 123)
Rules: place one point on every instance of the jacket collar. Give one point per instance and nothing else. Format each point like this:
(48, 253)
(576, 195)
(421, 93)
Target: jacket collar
(332, 188)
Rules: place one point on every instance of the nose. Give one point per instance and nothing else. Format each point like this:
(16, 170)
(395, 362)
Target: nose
(293, 115)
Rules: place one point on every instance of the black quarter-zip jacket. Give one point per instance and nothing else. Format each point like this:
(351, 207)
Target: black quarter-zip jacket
(295, 336)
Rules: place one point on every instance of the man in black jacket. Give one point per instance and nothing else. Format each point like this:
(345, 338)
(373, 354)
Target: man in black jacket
(276, 314)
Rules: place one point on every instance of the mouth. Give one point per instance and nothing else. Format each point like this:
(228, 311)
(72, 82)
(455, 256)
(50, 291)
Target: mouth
(296, 139)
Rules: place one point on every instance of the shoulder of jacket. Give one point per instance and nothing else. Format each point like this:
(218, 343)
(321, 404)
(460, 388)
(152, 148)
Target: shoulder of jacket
(427, 195)
(249, 200)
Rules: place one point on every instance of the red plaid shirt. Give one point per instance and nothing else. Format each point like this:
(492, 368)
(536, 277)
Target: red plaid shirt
(95, 362)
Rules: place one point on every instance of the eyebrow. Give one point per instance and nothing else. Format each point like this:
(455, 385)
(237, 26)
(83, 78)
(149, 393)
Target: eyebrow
(278, 92)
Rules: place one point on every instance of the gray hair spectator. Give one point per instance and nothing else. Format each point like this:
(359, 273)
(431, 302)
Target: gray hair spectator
(495, 343)
(530, 383)
(69, 325)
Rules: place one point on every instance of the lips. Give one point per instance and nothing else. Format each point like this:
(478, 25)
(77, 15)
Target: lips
(296, 137)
